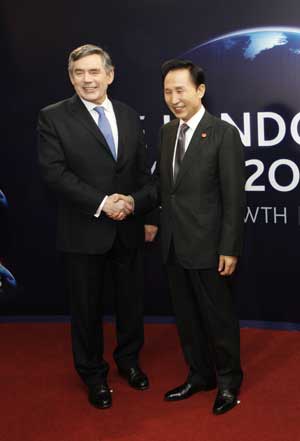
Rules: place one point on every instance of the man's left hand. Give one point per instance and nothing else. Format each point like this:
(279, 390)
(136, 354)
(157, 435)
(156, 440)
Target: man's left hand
(150, 232)
(227, 265)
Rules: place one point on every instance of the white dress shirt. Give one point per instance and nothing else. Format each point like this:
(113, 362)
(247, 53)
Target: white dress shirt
(192, 123)
(110, 115)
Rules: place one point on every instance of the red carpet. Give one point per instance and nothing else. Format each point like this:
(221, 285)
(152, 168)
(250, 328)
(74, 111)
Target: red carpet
(43, 400)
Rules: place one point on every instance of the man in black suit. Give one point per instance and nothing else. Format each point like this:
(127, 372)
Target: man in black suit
(92, 154)
(201, 168)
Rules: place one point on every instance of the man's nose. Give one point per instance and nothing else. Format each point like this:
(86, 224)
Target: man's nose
(87, 77)
(174, 98)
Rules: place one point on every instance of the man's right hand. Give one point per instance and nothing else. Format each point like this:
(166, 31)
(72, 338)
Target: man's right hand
(118, 206)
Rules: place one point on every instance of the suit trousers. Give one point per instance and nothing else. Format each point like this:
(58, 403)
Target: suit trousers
(84, 282)
(207, 324)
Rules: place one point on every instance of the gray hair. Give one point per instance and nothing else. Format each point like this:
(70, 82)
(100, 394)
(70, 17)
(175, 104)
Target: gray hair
(90, 49)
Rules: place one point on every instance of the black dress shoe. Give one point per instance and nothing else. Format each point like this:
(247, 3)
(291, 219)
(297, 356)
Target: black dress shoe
(186, 390)
(100, 396)
(136, 377)
(226, 399)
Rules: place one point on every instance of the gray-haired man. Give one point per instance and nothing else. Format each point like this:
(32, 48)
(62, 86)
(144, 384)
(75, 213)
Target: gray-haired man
(92, 154)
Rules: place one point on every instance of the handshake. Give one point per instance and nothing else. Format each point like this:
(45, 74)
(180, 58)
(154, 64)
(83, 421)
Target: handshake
(118, 206)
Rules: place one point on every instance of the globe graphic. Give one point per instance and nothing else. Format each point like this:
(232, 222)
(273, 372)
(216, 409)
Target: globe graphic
(252, 69)
(3, 200)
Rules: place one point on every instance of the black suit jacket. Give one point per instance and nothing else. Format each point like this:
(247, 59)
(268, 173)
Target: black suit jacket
(76, 162)
(203, 210)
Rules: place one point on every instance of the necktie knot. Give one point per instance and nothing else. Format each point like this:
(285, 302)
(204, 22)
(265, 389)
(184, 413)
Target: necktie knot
(183, 128)
(99, 110)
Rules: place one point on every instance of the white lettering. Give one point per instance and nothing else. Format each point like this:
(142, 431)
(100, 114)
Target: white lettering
(246, 135)
(266, 215)
(295, 173)
(250, 215)
(266, 209)
(294, 128)
(262, 141)
(276, 215)
(252, 178)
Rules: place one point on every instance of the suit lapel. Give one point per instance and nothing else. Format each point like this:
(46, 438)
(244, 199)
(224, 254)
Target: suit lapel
(122, 126)
(199, 140)
(80, 112)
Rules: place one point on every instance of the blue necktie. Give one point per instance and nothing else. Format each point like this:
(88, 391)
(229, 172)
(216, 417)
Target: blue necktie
(105, 128)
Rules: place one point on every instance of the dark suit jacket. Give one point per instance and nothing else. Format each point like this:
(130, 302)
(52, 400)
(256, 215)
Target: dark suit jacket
(203, 211)
(76, 162)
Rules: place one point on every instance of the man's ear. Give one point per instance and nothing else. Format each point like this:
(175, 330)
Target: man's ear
(71, 78)
(201, 90)
(111, 76)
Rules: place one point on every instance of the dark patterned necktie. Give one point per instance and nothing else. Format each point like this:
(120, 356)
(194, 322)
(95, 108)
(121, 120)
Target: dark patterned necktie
(180, 150)
(105, 128)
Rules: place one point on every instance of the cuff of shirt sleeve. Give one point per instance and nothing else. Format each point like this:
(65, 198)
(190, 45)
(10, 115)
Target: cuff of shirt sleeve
(98, 212)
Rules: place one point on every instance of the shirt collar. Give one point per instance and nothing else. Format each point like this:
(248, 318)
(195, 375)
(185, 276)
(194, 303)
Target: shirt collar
(196, 118)
(107, 104)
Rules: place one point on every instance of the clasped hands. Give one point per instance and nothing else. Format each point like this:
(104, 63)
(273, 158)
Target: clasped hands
(118, 206)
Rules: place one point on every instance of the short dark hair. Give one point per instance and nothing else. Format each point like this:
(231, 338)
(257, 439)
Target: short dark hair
(197, 73)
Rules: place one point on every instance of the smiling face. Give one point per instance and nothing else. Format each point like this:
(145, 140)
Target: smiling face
(90, 79)
(182, 96)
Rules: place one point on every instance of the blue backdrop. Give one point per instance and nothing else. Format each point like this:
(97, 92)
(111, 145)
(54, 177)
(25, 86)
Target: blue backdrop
(251, 53)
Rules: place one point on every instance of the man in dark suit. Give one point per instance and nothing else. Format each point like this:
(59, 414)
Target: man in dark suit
(201, 168)
(92, 154)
